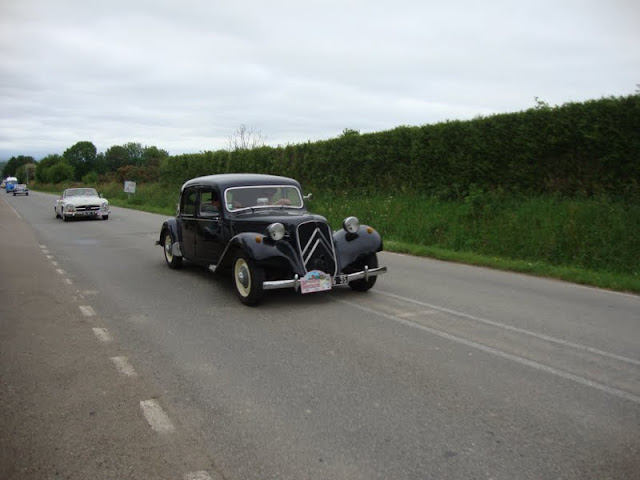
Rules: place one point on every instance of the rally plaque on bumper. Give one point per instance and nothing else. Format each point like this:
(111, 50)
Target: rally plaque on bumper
(315, 281)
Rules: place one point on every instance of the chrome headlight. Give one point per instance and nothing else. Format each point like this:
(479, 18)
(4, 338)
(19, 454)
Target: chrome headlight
(105, 205)
(276, 231)
(351, 224)
(69, 207)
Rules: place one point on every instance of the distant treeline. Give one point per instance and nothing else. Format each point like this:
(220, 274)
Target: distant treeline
(577, 149)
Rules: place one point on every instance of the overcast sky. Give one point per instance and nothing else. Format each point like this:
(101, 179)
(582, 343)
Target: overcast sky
(184, 75)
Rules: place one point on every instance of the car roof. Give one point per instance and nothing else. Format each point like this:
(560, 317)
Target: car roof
(226, 180)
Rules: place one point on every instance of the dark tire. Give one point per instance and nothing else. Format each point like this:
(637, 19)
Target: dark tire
(65, 218)
(363, 285)
(105, 217)
(247, 279)
(173, 261)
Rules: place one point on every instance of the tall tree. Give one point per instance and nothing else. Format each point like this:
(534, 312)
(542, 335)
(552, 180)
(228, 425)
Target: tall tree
(116, 157)
(153, 156)
(12, 166)
(245, 138)
(135, 153)
(26, 173)
(82, 158)
(53, 169)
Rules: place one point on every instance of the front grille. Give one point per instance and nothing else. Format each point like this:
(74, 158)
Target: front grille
(315, 241)
(87, 208)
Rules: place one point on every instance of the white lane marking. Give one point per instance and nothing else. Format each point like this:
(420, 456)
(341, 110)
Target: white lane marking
(102, 334)
(14, 211)
(43, 247)
(514, 358)
(155, 416)
(87, 310)
(511, 328)
(415, 314)
(124, 366)
(54, 263)
(69, 282)
(202, 475)
(60, 271)
(50, 257)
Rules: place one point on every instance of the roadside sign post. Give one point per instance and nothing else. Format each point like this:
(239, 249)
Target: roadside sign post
(129, 187)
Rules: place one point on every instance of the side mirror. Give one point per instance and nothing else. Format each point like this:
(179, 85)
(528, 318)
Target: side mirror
(308, 196)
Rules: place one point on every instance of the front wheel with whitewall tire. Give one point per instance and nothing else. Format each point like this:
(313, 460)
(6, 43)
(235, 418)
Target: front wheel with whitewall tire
(173, 261)
(247, 279)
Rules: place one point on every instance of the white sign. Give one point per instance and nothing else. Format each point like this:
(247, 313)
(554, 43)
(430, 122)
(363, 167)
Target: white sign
(129, 187)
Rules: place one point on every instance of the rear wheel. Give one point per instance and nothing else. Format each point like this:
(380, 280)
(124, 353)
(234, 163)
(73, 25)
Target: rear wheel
(363, 285)
(173, 261)
(248, 279)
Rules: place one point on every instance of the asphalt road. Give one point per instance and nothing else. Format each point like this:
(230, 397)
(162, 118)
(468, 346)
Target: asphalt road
(441, 371)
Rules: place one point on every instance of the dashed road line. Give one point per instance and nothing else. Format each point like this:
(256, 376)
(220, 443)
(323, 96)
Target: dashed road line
(124, 366)
(201, 475)
(102, 334)
(155, 416)
(60, 271)
(87, 310)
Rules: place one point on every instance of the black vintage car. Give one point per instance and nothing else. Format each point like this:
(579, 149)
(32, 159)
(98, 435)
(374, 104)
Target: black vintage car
(257, 227)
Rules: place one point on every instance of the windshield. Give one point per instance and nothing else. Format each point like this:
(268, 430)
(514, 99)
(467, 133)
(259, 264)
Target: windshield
(265, 196)
(77, 192)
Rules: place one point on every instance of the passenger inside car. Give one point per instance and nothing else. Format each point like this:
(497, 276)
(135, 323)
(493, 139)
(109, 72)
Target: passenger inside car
(209, 203)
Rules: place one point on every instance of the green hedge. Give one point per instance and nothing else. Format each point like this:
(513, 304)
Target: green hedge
(584, 149)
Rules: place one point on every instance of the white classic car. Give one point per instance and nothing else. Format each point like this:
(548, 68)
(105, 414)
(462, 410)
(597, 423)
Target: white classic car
(81, 203)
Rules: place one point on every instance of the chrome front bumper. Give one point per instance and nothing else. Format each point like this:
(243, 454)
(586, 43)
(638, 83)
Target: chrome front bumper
(343, 279)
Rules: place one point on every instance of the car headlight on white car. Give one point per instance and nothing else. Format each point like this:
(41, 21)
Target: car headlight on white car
(69, 208)
(105, 205)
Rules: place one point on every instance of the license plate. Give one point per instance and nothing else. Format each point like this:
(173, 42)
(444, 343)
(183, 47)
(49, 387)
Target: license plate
(315, 281)
(340, 280)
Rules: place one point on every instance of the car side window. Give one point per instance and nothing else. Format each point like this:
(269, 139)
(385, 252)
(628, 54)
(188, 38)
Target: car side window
(209, 203)
(188, 204)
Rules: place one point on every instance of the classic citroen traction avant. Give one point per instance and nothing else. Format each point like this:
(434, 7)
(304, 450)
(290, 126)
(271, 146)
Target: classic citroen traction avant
(257, 227)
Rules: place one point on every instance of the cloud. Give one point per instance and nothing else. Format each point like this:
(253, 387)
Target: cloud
(184, 75)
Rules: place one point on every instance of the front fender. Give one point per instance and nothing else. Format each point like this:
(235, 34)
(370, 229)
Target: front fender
(171, 225)
(351, 246)
(262, 250)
